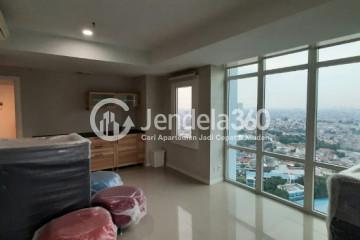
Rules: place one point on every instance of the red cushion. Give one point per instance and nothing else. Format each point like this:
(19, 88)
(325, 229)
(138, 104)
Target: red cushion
(89, 223)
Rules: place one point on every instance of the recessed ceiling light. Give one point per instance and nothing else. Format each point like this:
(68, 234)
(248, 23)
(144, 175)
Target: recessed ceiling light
(87, 32)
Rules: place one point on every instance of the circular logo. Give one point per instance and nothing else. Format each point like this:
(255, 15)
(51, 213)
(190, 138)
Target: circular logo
(109, 129)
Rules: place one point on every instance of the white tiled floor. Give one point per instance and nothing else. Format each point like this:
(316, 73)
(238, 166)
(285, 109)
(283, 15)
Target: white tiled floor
(180, 208)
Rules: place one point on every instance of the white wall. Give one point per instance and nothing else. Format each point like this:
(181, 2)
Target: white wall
(206, 162)
(217, 102)
(55, 102)
(156, 100)
(193, 162)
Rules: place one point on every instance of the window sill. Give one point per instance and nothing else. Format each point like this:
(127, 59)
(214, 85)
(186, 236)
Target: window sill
(192, 144)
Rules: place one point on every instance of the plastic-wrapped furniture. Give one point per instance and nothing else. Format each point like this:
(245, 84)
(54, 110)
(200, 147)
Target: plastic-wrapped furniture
(101, 180)
(344, 210)
(126, 204)
(41, 179)
(89, 223)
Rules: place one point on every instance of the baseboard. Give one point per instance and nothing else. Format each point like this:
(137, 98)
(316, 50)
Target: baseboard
(216, 180)
(200, 179)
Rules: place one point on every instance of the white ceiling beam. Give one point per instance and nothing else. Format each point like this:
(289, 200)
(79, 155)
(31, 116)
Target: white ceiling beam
(27, 41)
(331, 20)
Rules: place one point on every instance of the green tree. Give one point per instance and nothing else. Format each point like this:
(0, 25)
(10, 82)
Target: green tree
(275, 132)
(292, 139)
(240, 178)
(340, 154)
(298, 165)
(270, 186)
(320, 187)
(300, 181)
(247, 143)
(323, 144)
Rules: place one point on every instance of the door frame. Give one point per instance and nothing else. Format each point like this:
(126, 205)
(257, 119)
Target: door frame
(18, 112)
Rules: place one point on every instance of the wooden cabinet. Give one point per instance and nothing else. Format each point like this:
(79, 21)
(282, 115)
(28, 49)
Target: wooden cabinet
(126, 151)
(141, 149)
(102, 154)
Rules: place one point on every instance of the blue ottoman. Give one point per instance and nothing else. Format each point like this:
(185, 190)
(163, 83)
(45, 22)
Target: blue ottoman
(101, 180)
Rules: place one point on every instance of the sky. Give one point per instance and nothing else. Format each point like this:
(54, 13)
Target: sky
(339, 86)
(184, 97)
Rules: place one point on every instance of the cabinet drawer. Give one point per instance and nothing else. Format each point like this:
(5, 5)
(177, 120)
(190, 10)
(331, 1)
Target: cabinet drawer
(102, 154)
(128, 140)
(99, 162)
(126, 147)
(128, 143)
(102, 151)
(126, 158)
(99, 143)
(141, 157)
(141, 145)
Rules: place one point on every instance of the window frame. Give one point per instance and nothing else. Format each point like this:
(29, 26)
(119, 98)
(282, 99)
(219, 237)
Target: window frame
(310, 163)
(192, 82)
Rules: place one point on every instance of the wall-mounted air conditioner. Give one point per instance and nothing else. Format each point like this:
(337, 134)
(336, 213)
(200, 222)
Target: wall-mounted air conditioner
(4, 32)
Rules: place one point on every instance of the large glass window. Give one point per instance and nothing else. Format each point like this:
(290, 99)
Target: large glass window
(242, 107)
(338, 120)
(242, 167)
(245, 69)
(183, 109)
(243, 103)
(285, 99)
(338, 116)
(321, 197)
(284, 179)
(351, 49)
(286, 60)
(314, 119)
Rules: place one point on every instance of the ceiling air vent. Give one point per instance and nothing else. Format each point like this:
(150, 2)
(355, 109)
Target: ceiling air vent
(4, 32)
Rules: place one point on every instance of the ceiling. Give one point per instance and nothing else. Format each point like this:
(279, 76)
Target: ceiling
(134, 37)
(129, 23)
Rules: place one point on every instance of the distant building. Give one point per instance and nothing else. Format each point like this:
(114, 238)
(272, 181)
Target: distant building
(250, 178)
(294, 190)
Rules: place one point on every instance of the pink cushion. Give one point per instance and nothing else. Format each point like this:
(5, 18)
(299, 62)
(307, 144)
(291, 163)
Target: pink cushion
(126, 204)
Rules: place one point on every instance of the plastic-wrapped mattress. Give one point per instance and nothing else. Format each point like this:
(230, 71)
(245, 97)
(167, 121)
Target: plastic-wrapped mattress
(85, 224)
(101, 180)
(344, 208)
(41, 179)
(126, 204)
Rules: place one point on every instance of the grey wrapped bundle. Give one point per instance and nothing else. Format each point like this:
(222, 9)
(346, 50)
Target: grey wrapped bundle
(344, 208)
(41, 179)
